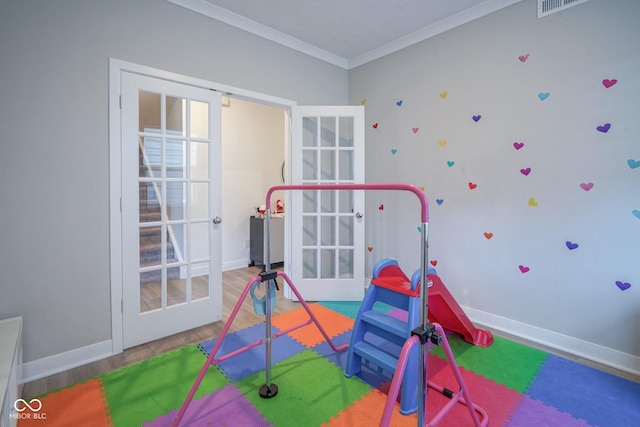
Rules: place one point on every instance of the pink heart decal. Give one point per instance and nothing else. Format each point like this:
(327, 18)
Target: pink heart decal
(608, 83)
(523, 58)
(586, 186)
(525, 171)
(518, 145)
(415, 130)
(523, 269)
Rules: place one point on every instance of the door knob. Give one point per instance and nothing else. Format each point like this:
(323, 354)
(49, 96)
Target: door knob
(359, 215)
(217, 220)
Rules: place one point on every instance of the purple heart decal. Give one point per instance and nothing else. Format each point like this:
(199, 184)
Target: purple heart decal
(518, 145)
(604, 128)
(623, 285)
(523, 269)
(525, 171)
(608, 83)
(571, 245)
(586, 186)
(476, 118)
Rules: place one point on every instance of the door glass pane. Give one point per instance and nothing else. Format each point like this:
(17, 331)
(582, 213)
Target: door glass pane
(346, 264)
(149, 201)
(346, 131)
(328, 201)
(346, 201)
(327, 230)
(309, 165)
(199, 120)
(176, 239)
(149, 111)
(199, 200)
(327, 165)
(199, 158)
(328, 132)
(176, 195)
(176, 116)
(345, 162)
(176, 160)
(345, 231)
(309, 263)
(199, 280)
(328, 263)
(309, 132)
(309, 231)
(199, 249)
(150, 290)
(150, 246)
(176, 286)
(309, 201)
(150, 157)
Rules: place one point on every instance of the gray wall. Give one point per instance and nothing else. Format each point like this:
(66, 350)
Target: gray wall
(571, 293)
(54, 201)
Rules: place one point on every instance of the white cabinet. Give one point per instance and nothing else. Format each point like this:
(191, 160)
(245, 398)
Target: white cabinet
(10, 368)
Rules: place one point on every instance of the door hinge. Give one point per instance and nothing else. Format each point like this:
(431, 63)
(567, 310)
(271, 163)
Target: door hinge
(120, 101)
(121, 306)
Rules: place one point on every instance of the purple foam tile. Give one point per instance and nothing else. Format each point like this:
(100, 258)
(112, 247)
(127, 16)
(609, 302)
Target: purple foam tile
(253, 360)
(224, 407)
(532, 412)
(597, 397)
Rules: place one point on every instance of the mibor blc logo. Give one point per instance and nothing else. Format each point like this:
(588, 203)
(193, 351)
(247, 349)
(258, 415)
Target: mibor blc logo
(28, 410)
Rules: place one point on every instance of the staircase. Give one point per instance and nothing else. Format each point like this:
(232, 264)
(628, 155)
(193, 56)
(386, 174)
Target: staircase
(392, 287)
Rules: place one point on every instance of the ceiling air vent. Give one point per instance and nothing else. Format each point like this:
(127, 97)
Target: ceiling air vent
(547, 7)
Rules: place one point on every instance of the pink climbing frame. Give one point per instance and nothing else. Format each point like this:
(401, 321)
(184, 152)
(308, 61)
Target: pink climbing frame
(270, 390)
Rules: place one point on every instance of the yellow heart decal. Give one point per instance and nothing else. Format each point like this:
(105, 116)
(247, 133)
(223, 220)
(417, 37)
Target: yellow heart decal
(363, 101)
(442, 143)
(443, 95)
(532, 202)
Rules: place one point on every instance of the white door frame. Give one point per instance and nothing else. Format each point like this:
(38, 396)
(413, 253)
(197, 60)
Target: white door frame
(116, 68)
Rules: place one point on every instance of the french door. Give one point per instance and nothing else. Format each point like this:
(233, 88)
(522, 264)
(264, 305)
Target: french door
(171, 185)
(327, 226)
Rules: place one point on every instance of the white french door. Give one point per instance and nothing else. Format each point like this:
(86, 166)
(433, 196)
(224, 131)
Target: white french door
(171, 185)
(327, 226)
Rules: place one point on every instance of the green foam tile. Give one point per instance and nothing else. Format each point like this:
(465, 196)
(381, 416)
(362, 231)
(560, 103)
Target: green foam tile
(506, 362)
(304, 381)
(143, 391)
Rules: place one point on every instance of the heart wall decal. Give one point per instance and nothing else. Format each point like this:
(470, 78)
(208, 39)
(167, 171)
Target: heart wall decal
(399, 103)
(476, 118)
(488, 236)
(623, 286)
(375, 125)
(586, 186)
(415, 130)
(518, 145)
(608, 83)
(472, 186)
(571, 246)
(525, 171)
(633, 164)
(604, 128)
(523, 58)
(443, 95)
(523, 269)
(543, 95)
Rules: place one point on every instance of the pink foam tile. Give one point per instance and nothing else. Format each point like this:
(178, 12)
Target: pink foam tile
(224, 407)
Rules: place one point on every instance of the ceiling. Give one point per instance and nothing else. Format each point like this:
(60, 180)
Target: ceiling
(346, 33)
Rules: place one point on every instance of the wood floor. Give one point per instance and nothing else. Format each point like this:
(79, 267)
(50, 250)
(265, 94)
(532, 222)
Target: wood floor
(233, 283)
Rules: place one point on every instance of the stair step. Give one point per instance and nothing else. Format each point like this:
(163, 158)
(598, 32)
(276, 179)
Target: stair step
(386, 323)
(373, 354)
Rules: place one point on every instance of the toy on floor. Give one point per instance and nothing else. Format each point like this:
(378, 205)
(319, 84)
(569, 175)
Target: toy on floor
(423, 333)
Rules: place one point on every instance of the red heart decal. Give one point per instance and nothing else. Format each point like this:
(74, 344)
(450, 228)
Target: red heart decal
(433, 262)
(375, 125)
(608, 83)
(472, 185)
(381, 207)
(488, 235)
(369, 248)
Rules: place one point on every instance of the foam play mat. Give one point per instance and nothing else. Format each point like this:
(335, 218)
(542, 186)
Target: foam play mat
(516, 385)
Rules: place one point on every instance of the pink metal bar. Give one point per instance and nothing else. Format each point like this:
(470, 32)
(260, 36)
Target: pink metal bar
(403, 187)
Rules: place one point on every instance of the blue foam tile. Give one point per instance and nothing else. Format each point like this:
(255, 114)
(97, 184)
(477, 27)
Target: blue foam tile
(253, 360)
(597, 397)
(337, 358)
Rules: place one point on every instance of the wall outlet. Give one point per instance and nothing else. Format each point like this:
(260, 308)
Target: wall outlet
(246, 244)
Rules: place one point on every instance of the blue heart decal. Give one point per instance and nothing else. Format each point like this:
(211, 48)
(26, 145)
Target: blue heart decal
(439, 201)
(636, 213)
(450, 163)
(543, 95)
(633, 163)
(399, 103)
(394, 151)
(571, 245)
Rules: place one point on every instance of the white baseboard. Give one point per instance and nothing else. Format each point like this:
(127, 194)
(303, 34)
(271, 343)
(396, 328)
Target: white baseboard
(64, 361)
(577, 347)
(232, 265)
